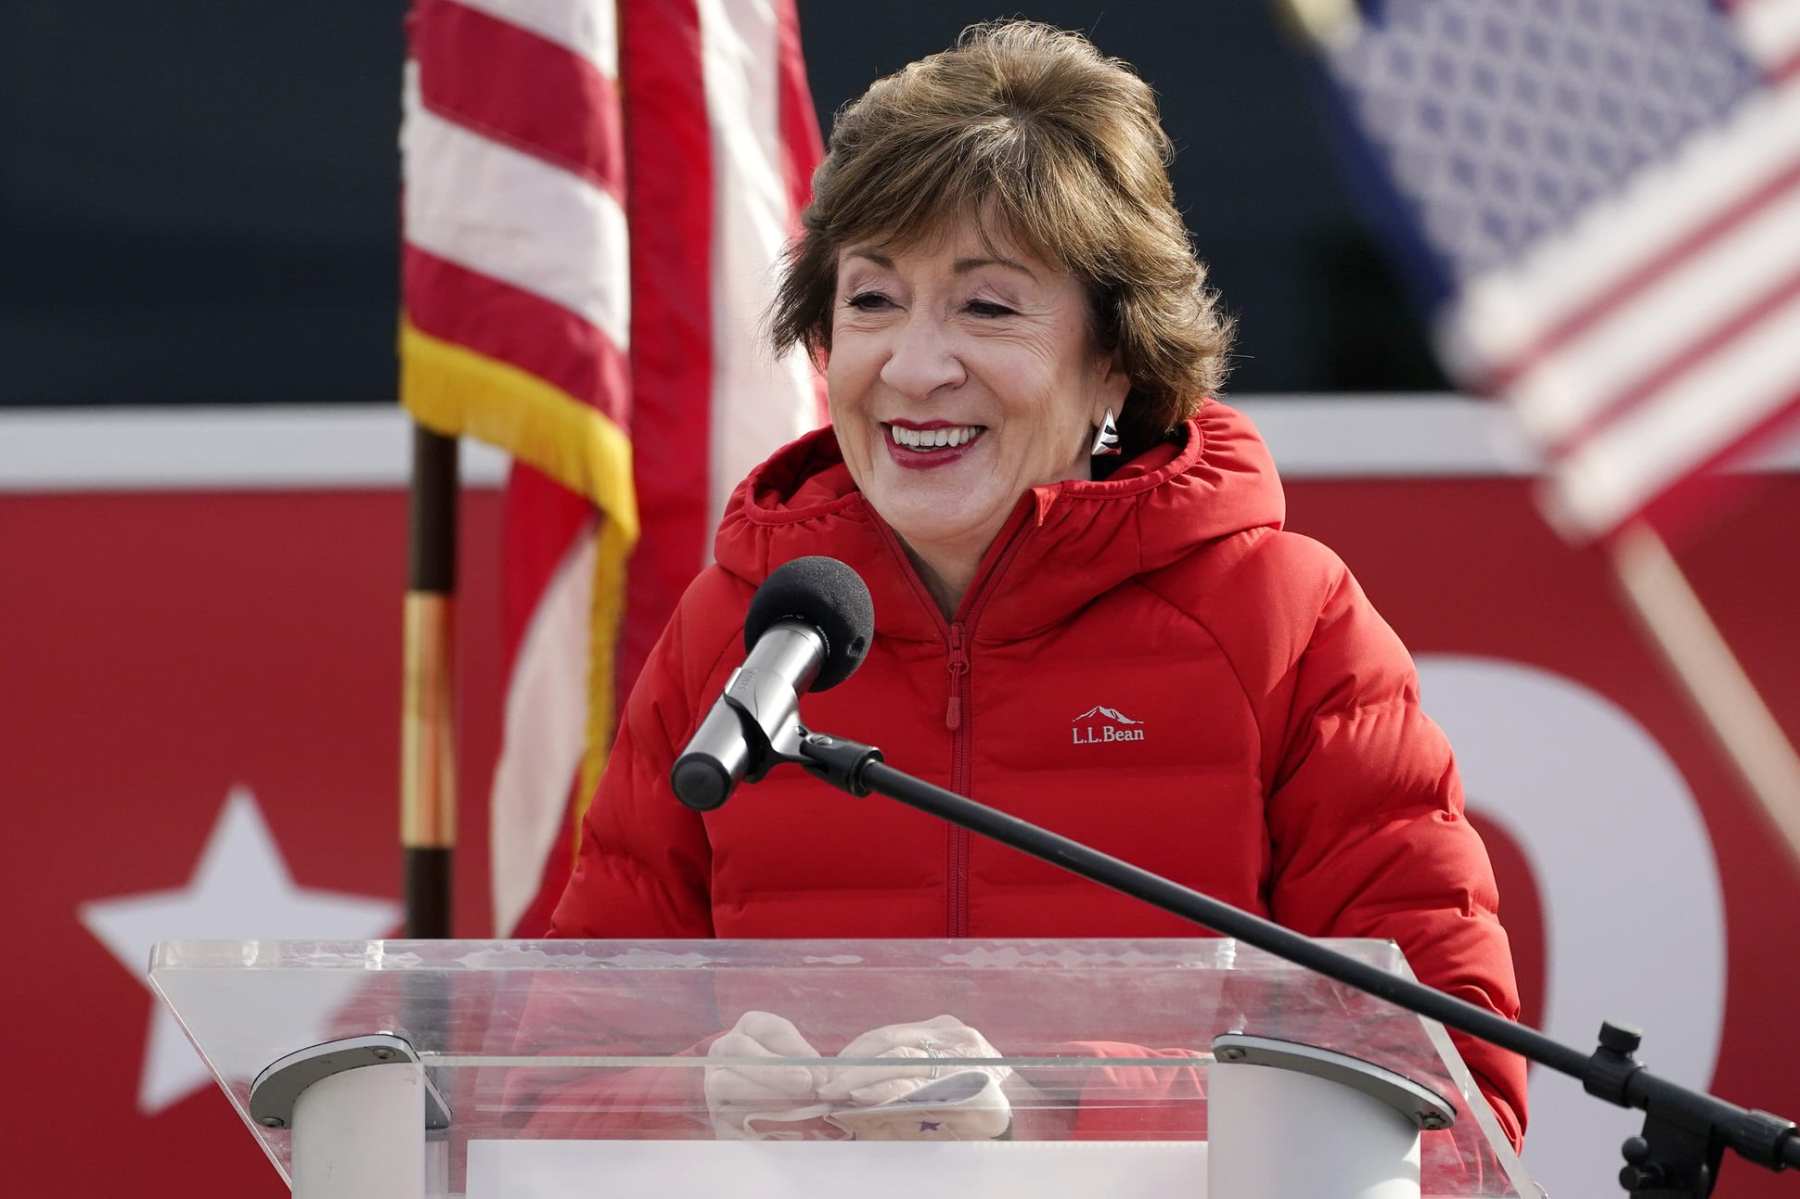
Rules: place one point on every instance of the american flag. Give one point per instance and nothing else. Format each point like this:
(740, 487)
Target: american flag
(595, 197)
(1601, 201)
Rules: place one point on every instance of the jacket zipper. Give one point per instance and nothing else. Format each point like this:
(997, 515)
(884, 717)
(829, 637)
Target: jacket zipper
(957, 900)
(958, 716)
(957, 634)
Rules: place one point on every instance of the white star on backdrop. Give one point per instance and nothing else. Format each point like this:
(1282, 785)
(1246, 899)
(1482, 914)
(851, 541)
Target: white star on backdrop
(240, 890)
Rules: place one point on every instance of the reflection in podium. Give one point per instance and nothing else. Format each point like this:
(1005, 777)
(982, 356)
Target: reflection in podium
(773, 1068)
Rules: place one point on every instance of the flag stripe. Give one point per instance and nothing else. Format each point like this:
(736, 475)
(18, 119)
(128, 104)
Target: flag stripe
(554, 870)
(1669, 371)
(1771, 32)
(1511, 317)
(518, 327)
(543, 522)
(669, 160)
(1778, 187)
(802, 149)
(569, 116)
(1620, 471)
(511, 216)
(801, 145)
(1670, 500)
(580, 26)
(752, 215)
(540, 521)
(545, 731)
(1762, 442)
(1570, 392)
(1787, 70)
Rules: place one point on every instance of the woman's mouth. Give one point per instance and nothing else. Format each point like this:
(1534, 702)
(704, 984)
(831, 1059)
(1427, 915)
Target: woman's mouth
(937, 444)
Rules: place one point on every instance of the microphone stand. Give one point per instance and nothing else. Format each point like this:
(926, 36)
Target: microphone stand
(1685, 1134)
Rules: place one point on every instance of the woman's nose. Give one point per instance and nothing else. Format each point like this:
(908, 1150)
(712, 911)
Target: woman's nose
(922, 360)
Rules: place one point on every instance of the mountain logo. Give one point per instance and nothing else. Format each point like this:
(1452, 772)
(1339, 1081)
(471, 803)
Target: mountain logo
(1100, 724)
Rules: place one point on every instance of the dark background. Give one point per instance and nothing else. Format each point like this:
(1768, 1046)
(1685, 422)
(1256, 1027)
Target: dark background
(199, 201)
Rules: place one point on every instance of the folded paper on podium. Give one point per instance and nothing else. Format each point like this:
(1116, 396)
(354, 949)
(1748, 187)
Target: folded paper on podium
(677, 1068)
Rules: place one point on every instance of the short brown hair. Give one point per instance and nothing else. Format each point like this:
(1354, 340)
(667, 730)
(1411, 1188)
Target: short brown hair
(1032, 127)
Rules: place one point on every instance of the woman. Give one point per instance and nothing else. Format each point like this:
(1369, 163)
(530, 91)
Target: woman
(1087, 612)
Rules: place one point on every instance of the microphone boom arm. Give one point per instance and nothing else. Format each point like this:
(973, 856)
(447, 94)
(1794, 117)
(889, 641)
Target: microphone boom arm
(1685, 1131)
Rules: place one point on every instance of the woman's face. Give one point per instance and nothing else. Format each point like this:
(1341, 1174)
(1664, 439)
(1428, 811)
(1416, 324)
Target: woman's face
(962, 374)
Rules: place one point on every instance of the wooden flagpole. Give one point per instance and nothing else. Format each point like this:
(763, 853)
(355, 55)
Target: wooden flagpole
(1677, 624)
(428, 712)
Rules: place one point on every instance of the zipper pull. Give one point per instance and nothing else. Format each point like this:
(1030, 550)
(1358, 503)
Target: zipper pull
(959, 662)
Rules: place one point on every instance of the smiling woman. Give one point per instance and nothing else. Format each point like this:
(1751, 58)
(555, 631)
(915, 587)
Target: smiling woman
(958, 382)
(1082, 590)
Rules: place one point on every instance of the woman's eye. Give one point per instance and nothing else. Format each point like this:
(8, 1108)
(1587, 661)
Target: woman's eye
(867, 301)
(989, 308)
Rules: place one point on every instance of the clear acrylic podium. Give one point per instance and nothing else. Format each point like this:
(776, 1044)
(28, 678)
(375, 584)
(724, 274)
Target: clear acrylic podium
(526, 1069)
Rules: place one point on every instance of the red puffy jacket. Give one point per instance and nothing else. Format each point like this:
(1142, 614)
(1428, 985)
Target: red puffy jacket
(1147, 663)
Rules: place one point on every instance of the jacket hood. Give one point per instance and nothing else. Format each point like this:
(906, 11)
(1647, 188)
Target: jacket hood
(1064, 544)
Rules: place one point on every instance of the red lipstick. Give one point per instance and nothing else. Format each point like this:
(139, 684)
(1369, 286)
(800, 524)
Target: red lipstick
(909, 459)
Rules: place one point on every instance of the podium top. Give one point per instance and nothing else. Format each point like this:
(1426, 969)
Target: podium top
(528, 1040)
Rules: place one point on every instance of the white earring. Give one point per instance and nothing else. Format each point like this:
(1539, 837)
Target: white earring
(1106, 437)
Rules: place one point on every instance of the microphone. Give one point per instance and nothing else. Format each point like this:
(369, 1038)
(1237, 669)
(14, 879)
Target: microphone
(808, 629)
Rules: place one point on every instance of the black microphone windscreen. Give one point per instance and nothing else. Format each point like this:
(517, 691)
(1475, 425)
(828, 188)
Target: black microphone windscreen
(829, 596)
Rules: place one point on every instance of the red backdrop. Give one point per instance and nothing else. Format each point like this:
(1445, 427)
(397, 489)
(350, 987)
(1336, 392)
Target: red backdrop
(159, 649)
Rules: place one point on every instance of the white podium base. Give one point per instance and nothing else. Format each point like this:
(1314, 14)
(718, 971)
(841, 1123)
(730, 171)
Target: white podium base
(1278, 1134)
(360, 1134)
(863, 1169)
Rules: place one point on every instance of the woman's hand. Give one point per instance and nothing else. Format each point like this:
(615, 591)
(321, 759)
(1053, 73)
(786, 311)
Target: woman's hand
(746, 1101)
(920, 1096)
